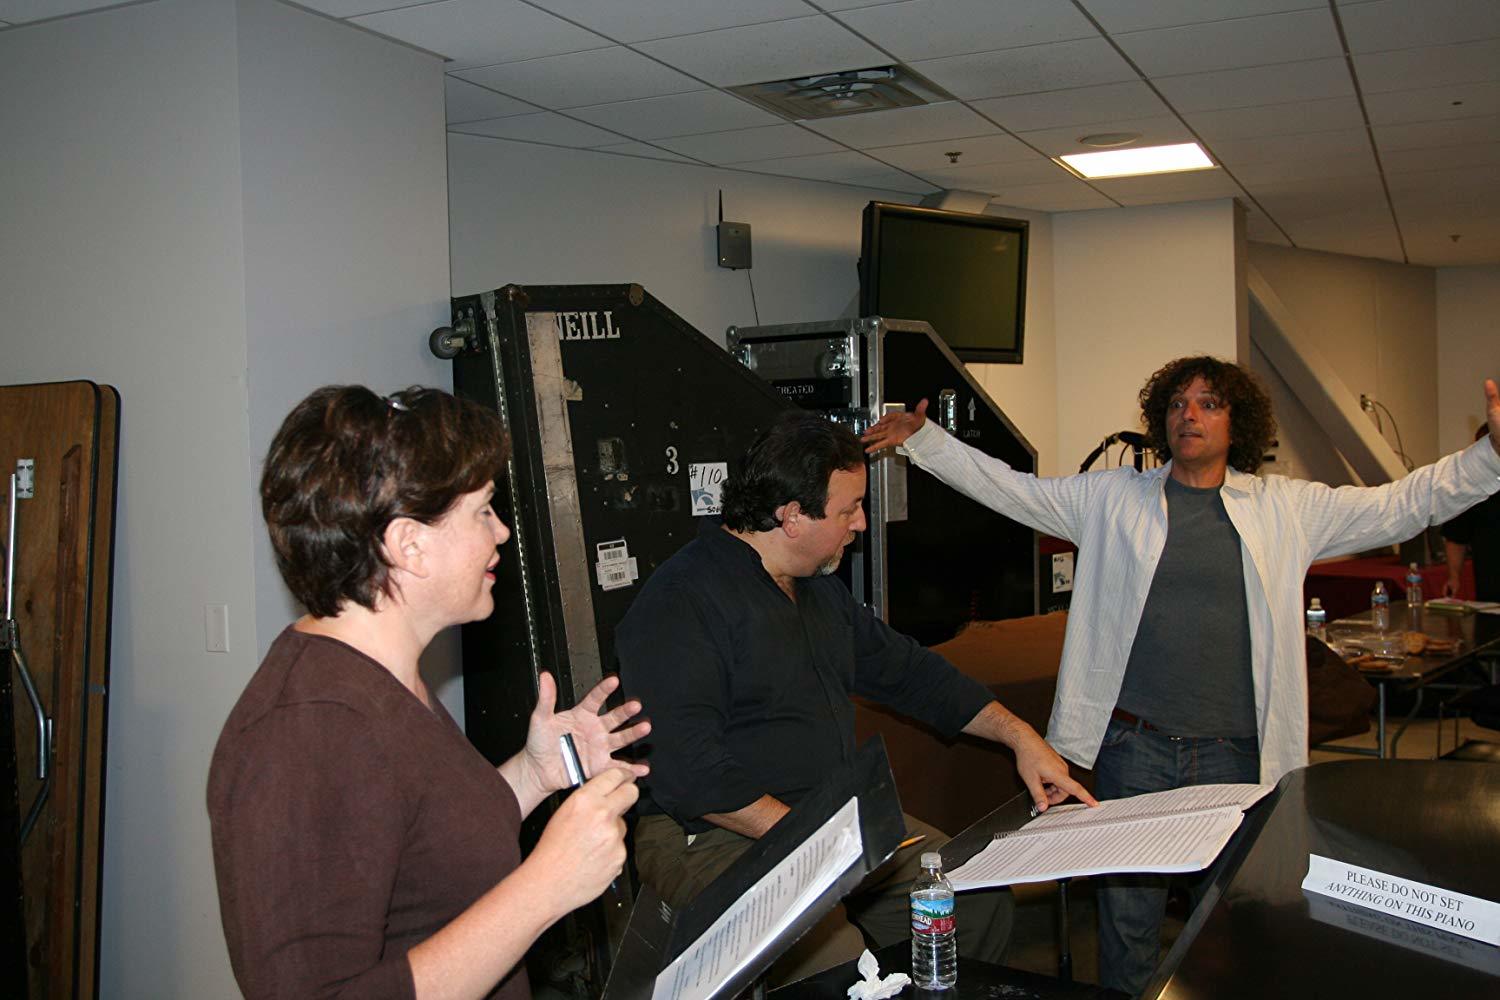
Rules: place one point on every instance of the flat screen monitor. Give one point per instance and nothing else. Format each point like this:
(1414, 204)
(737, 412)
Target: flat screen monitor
(965, 274)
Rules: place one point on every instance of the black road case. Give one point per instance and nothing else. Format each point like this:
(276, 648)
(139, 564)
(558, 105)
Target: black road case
(623, 420)
(932, 560)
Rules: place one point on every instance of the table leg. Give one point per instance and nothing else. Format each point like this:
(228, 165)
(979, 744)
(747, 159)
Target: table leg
(1380, 721)
(1416, 706)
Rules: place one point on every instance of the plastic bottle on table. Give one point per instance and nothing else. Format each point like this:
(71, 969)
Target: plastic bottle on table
(934, 952)
(1317, 620)
(1380, 607)
(1414, 598)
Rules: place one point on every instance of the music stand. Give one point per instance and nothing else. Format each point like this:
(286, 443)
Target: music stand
(657, 935)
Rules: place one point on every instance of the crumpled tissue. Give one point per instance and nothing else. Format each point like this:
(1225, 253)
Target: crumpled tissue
(872, 987)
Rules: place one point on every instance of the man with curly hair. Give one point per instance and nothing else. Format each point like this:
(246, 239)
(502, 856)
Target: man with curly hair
(1184, 661)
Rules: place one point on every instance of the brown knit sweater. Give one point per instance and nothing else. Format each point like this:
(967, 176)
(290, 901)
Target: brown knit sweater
(350, 822)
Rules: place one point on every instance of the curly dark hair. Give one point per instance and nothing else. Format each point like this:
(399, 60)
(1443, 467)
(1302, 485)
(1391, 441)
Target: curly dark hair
(792, 460)
(347, 462)
(1252, 425)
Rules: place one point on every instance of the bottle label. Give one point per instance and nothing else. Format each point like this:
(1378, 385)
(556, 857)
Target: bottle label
(932, 916)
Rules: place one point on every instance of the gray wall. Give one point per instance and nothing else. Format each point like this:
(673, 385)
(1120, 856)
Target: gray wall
(213, 206)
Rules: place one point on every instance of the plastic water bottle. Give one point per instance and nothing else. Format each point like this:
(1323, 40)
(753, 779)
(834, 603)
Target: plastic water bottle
(1317, 620)
(934, 952)
(1414, 598)
(1380, 607)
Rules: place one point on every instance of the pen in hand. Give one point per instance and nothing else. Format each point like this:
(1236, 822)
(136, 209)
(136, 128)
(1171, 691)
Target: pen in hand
(576, 777)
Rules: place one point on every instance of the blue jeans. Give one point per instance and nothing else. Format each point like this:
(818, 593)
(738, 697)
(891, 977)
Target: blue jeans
(1133, 761)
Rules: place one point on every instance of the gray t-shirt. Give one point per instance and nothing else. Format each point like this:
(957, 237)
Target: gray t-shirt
(1189, 669)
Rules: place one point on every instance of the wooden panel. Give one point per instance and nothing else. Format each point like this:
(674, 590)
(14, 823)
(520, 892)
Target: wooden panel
(61, 604)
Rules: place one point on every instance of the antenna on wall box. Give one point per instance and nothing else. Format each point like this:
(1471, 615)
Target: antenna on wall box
(734, 241)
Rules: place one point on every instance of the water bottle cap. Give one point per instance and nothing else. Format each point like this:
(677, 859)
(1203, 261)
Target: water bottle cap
(1317, 605)
(932, 859)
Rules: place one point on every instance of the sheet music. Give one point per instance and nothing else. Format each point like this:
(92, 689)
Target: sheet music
(1181, 830)
(1191, 798)
(765, 911)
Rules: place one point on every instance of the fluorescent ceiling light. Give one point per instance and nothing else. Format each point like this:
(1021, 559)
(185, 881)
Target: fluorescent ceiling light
(1134, 162)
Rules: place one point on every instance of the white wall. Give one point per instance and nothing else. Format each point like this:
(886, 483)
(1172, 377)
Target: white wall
(1468, 349)
(1028, 392)
(1134, 288)
(121, 243)
(533, 214)
(1375, 322)
(346, 239)
(214, 206)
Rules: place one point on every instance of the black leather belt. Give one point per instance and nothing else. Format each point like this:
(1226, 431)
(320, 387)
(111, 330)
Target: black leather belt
(1120, 715)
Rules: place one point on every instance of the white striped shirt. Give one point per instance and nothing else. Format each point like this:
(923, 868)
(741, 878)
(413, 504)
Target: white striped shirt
(1118, 520)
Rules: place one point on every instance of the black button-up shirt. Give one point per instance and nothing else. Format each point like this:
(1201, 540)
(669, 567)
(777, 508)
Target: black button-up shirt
(748, 691)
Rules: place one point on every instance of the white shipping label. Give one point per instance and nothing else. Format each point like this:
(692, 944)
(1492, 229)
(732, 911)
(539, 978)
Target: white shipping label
(616, 567)
(706, 481)
(1062, 572)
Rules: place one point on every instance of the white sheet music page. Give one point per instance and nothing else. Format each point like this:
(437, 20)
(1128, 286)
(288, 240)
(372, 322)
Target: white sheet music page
(765, 911)
(1181, 830)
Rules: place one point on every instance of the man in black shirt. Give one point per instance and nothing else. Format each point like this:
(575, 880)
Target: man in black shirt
(747, 651)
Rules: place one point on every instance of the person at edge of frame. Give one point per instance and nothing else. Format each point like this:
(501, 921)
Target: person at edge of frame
(747, 649)
(1474, 534)
(1184, 660)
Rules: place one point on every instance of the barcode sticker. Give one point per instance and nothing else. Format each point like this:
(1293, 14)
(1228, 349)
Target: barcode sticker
(616, 567)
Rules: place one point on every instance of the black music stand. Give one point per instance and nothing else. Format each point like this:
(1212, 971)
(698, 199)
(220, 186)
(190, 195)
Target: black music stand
(657, 934)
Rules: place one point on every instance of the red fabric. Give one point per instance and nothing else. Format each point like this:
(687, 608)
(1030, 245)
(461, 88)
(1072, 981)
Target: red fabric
(1344, 585)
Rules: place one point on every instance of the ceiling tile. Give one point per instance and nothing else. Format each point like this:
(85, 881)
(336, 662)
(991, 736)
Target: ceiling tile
(641, 20)
(1338, 236)
(1405, 24)
(1244, 88)
(1456, 100)
(762, 52)
(930, 29)
(845, 168)
(973, 151)
(640, 149)
(1054, 66)
(579, 79)
(1132, 15)
(1162, 130)
(1160, 189)
(852, 4)
(466, 102)
(1452, 132)
(1303, 200)
(1266, 172)
(1079, 106)
(1277, 119)
(1070, 195)
(21, 11)
(480, 32)
(1260, 228)
(743, 145)
(1438, 250)
(1429, 66)
(1407, 161)
(1475, 189)
(349, 8)
(1304, 146)
(932, 122)
(677, 114)
(546, 127)
(991, 176)
(1247, 41)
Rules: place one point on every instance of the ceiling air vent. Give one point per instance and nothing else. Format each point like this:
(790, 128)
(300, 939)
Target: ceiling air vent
(850, 92)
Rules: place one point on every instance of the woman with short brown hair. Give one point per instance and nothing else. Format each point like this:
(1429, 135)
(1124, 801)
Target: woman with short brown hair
(362, 846)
